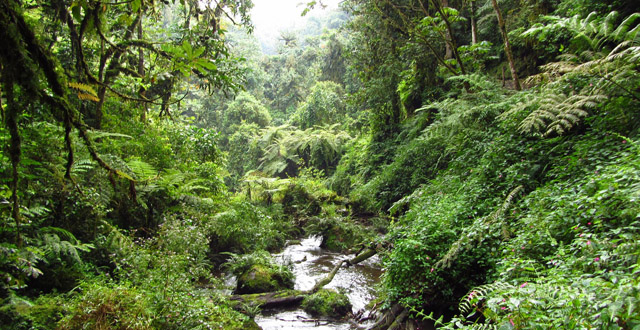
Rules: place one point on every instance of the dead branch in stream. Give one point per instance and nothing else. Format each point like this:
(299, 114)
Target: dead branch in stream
(368, 253)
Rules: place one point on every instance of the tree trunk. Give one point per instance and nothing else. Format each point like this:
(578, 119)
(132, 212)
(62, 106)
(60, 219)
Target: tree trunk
(474, 23)
(448, 52)
(387, 319)
(507, 45)
(141, 91)
(269, 299)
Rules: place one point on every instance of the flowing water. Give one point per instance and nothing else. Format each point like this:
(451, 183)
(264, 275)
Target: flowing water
(311, 263)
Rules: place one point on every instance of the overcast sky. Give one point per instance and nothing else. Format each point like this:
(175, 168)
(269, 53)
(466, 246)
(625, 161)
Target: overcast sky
(272, 16)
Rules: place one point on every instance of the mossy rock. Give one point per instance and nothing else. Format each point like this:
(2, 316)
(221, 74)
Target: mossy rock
(261, 278)
(250, 324)
(326, 302)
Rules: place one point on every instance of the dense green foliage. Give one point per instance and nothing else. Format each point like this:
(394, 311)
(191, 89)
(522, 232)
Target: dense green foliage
(149, 146)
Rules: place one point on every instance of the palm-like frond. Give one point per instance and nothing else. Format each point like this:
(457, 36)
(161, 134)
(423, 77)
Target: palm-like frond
(610, 61)
(142, 171)
(57, 242)
(558, 113)
(82, 166)
(319, 147)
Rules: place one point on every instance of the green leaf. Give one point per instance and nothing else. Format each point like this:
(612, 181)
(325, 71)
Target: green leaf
(197, 52)
(188, 50)
(206, 64)
(135, 5)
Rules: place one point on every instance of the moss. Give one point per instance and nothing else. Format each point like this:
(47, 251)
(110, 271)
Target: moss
(250, 324)
(328, 303)
(261, 278)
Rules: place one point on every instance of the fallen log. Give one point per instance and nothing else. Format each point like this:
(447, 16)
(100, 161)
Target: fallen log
(284, 298)
(368, 253)
(324, 281)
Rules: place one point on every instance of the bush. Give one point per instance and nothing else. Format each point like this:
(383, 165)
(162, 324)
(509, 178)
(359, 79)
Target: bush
(245, 227)
(328, 303)
(111, 306)
(338, 233)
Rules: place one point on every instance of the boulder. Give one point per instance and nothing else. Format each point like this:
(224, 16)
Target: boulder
(328, 303)
(261, 278)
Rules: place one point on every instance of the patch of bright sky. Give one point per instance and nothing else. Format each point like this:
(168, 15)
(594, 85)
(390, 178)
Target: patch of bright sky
(272, 16)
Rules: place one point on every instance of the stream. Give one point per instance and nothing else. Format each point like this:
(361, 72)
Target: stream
(310, 263)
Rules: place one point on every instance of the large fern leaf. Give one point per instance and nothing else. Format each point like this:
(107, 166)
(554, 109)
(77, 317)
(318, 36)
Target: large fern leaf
(143, 171)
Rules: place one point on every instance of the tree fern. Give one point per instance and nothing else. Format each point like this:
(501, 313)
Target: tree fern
(58, 242)
(82, 166)
(590, 32)
(558, 113)
(142, 171)
(593, 39)
(319, 147)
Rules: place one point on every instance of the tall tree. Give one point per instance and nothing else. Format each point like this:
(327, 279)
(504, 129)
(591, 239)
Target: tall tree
(474, 22)
(507, 45)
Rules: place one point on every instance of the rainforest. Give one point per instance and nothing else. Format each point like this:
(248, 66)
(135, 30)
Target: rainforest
(477, 161)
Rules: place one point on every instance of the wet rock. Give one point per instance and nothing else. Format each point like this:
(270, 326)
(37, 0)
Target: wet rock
(327, 302)
(261, 278)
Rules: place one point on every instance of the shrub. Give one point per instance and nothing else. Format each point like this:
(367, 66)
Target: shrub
(245, 227)
(338, 233)
(327, 302)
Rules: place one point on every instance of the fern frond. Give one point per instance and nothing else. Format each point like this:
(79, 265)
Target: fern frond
(95, 135)
(624, 31)
(83, 88)
(559, 113)
(116, 240)
(36, 211)
(54, 246)
(63, 233)
(143, 171)
(193, 186)
(82, 166)
(479, 293)
(88, 97)
(85, 92)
